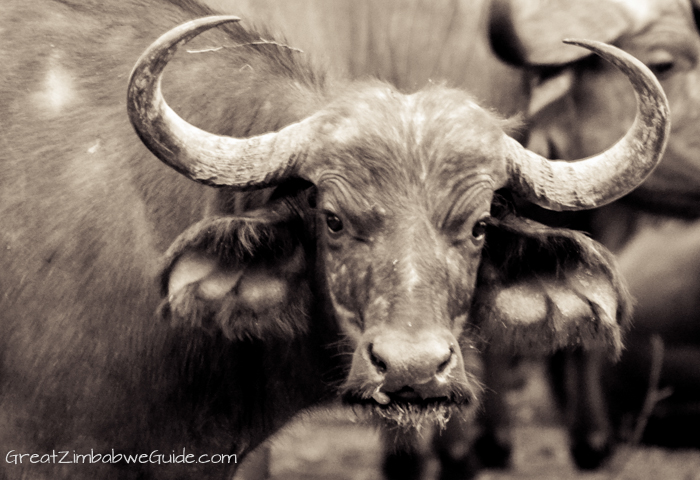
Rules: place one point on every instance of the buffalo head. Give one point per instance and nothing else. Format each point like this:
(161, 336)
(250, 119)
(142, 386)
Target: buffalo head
(388, 229)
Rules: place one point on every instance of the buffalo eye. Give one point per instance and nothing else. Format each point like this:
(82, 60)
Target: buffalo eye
(661, 69)
(335, 224)
(479, 230)
(675, 58)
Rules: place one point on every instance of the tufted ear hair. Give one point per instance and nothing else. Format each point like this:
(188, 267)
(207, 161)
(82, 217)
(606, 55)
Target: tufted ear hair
(243, 276)
(540, 289)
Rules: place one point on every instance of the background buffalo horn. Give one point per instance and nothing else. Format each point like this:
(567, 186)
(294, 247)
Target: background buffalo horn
(601, 179)
(202, 156)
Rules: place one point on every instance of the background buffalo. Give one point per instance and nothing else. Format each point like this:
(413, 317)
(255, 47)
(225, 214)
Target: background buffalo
(577, 106)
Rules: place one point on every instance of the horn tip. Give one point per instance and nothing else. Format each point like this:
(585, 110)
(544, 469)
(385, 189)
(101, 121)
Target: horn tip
(581, 42)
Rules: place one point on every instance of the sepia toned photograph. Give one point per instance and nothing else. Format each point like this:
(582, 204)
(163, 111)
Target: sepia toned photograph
(350, 239)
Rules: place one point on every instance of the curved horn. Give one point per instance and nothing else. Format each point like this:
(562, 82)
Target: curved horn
(202, 156)
(603, 178)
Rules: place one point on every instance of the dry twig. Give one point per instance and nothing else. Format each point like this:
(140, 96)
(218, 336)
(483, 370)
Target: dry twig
(261, 42)
(628, 453)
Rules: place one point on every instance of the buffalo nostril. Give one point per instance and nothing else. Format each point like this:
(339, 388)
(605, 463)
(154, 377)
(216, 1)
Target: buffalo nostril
(379, 364)
(450, 358)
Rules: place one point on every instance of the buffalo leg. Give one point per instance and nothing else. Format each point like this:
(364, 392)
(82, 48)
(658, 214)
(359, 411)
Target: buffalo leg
(586, 408)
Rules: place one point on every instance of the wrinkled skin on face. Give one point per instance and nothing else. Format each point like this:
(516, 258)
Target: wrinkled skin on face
(401, 235)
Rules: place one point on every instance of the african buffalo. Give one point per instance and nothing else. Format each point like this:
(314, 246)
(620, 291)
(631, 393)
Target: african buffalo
(579, 106)
(358, 242)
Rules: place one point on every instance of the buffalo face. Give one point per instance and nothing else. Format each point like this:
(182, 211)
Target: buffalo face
(397, 253)
(401, 226)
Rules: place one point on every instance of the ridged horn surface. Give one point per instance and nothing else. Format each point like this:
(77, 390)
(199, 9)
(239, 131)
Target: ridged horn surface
(603, 178)
(207, 158)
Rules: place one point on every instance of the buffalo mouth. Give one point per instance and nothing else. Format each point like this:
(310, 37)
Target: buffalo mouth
(406, 410)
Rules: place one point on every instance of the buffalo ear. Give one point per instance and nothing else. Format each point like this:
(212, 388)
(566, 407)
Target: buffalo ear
(245, 277)
(540, 289)
(530, 33)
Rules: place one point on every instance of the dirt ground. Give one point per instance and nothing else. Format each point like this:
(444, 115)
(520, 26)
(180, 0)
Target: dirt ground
(333, 445)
